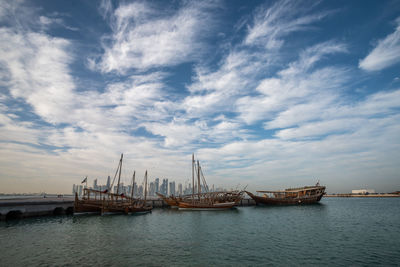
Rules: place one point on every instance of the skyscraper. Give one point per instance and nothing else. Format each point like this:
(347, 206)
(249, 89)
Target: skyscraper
(157, 184)
(172, 188)
(108, 183)
(165, 187)
(151, 189)
(180, 191)
(140, 191)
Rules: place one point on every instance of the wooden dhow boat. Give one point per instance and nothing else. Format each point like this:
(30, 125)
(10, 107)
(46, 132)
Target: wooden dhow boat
(291, 196)
(91, 202)
(96, 201)
(203, 200)
(171, 200)
(218, 197)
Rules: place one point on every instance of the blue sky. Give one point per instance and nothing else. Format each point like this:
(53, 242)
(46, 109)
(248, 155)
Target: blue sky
(266, 93)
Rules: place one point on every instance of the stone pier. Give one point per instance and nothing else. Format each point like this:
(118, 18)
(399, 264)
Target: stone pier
(30, 207)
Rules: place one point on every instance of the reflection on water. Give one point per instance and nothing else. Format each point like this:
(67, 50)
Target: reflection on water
(334, 232)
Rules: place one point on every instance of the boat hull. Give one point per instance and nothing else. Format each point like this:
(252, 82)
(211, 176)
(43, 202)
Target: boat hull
(81, 206)
(205, 206)
(111, 207)
(286, 201)
(169, 200)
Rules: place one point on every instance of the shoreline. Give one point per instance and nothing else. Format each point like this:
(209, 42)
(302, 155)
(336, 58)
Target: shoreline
(356, 195)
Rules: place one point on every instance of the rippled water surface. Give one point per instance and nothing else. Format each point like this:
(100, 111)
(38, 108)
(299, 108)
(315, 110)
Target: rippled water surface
(338, 232)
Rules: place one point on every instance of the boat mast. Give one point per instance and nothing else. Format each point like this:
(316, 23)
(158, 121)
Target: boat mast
(133, 184)
(119, 175)
(193, 162)
(198, 178)
(145, 186)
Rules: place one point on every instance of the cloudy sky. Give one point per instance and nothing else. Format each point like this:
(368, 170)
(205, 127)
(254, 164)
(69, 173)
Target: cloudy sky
(268, 94)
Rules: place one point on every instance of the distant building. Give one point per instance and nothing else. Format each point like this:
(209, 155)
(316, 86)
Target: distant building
(157, 185)
(363, 191)
(140, 191)
(180, 191)
(135, 189)
(164, 187)
(151, 189)
(108, 182)
(172, 188)
(188, 190)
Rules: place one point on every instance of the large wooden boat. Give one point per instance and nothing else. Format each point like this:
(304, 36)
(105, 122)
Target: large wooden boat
(95, 201)
(216, 198)
(91, 202)
(291, 196)
(171, 201)
(204, 200)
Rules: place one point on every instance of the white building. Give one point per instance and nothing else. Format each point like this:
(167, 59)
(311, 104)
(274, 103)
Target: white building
(363, 191)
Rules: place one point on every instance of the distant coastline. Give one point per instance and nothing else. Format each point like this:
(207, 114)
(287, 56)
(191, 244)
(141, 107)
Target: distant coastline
(32, 195)
(363, 195)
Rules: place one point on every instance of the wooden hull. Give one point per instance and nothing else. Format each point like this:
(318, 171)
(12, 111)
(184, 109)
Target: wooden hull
(82, 206)
(92, 206)
(169, 200)
(126, 208)
(140, 209)
(286, 201)
(206, 206)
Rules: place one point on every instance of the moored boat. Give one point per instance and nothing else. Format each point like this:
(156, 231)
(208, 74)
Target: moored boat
(105, 202)
(90, 202)
(290, 196)
(171, 201)
(206, 200)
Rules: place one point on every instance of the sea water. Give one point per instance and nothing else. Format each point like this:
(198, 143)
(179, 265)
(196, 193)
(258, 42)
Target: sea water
(335, 232)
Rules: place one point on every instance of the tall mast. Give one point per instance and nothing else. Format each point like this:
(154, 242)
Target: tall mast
(119, 175)
(145, 186)
(193, 176)
(198, 178)
(133, 184)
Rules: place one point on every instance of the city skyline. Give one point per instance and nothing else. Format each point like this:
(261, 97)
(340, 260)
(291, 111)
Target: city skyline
(266, 94)
(167, 187)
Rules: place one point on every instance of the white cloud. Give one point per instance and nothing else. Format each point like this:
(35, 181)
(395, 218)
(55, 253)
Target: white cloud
(297, 84)
(385, 54)
(320, 128)
(215, 91)
(271, 25)
(21, 132)
(300, 113)
(105, 8)
(47, 22)
(348, 157)
(38, 71)
(177, 134)
(143, 37)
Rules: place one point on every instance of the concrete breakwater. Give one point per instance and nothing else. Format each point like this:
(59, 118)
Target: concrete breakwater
(31, 207)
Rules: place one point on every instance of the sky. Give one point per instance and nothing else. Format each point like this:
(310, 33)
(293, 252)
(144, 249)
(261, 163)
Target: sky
(268, 94)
